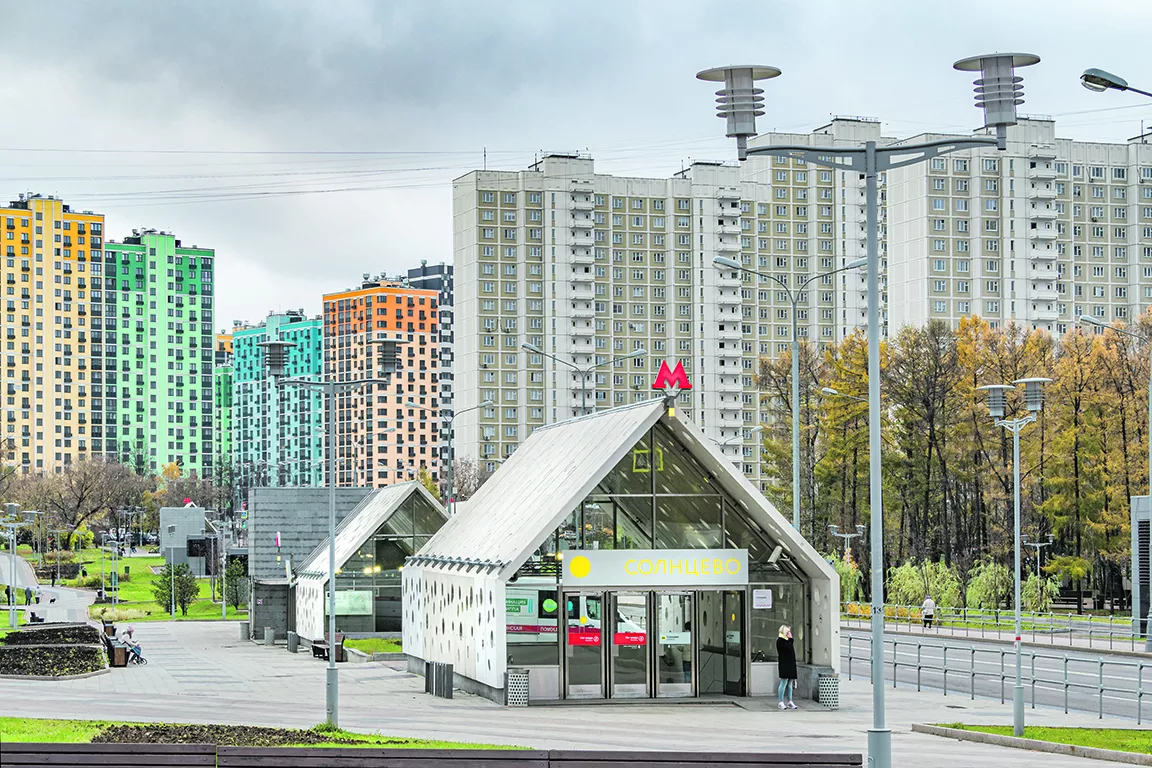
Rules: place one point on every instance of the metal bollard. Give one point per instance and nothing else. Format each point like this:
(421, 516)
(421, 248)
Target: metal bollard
(245, 631)
(269, 636)
(293, 642)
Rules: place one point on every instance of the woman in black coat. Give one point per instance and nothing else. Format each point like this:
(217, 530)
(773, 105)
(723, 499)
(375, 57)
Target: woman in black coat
(786, 654)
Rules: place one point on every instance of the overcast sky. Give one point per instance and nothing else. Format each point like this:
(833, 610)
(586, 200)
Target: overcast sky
(310, 142)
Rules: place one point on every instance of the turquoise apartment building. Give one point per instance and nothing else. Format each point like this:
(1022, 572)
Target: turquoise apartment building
(277, 433)
(152, 353)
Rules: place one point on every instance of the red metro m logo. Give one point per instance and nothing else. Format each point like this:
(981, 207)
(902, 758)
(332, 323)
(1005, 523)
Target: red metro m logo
(671, 380)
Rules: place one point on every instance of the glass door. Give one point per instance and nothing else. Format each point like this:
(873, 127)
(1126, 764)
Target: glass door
(629, 644)
(673, 644)
(734, 643)
(584, 645)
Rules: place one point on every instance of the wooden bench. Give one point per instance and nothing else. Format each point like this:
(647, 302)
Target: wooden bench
(21, 755)
(295, 757)
(320, 648)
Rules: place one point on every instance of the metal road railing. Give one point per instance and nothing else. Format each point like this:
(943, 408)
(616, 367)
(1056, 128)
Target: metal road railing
(1112, 632)
(1107, 685)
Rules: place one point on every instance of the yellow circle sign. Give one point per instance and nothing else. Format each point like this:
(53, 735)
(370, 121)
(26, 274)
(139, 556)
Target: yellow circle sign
(579, 566)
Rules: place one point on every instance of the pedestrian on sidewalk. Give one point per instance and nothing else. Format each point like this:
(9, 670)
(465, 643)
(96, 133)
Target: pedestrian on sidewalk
(39, 594)
(928, 611)
(8, 594)
(27, 595)
(786, 658)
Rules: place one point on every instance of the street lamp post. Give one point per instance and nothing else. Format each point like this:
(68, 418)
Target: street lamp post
(276, 358)
(1099, 81)
(1034, 399)
(794, 297)
(451, 432)
(835, 531)
(12, 525)
(584, 372)
(172, 566)
(1038, 545)
(1089, 320)
(740, 101)
(740, 436)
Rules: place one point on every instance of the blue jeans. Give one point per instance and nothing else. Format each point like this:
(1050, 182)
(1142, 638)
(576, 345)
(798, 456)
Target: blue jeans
(785, 689)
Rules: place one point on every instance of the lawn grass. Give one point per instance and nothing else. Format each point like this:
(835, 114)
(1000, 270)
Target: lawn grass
(1120, 739)
(36, 730)
(136, 594)
(374, 645)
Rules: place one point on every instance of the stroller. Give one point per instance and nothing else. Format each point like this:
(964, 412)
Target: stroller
(135, 655)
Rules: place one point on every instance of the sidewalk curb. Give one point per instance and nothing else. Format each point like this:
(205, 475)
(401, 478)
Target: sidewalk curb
(1095, 753)
(998, 641)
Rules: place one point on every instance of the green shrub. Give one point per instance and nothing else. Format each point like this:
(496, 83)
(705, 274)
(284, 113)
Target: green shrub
(117, 614)
(51, 661)
(911, 582)
(989, 586)
(54, 634)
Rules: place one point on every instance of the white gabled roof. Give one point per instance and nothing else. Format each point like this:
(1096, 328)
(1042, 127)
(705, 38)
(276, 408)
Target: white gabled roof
(544, 480)
(548, 476)
(360, 524)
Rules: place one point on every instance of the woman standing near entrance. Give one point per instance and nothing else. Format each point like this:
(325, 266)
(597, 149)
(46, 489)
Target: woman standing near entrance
(786, 654)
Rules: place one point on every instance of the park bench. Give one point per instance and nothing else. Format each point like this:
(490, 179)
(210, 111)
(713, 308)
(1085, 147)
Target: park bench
(320, 648)
(109, 628)
(294, 757)
(25, 755)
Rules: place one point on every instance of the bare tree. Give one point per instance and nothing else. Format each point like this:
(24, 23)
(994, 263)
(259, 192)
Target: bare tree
(83, 492)
(467, 477)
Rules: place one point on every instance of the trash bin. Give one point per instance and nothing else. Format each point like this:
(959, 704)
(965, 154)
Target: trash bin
(293, 642)
(516, 688)
(438, 679)
(269, 636)
(829, 691)
(245, 632)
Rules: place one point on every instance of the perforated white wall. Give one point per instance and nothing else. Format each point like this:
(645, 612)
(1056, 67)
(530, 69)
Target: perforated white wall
(310, 596)
(461, 621)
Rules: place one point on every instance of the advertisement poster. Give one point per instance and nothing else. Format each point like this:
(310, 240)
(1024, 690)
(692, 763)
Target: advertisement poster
(350, 602)
(762, 599)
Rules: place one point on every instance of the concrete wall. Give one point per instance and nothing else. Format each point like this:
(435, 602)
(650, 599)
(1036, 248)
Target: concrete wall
(301, 517)
(268, 608)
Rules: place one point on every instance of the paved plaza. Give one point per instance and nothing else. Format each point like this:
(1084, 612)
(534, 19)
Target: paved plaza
(203, 672)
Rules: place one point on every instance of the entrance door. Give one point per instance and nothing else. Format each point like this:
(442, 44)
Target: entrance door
(673, 643)
(734, 643)
(583, 645)
(629, 645)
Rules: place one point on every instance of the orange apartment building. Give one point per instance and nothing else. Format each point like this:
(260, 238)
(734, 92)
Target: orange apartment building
(52, 269)
(384, 434)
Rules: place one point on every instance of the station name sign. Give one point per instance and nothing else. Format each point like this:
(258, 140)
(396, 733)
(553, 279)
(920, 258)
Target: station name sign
(655, 567)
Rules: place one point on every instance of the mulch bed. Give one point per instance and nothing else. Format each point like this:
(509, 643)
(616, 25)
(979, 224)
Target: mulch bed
(221, 735)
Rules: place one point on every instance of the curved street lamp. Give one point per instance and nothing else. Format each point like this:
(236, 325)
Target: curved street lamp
(1098, 80)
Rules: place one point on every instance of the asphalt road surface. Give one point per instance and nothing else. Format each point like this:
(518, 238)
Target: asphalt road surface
(1082, 681)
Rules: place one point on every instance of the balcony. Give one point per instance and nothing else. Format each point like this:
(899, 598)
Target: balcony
(729, 384)
(1042, 233)
(725, 280)
(581, 292)
(1044, 273)
(1044, 293)
(1038, 152)
(582, 256)
(583, 221)
(728, 299)
(728, 245)
(582, 310)
(730, 349)
(728, 194)
(580, 276)
(729, 332)
(582, 202)
(1042, 172)
(1042, 192)
(1043, 254)
(583, 330)
(580, 239)
(1045, 314)
(1042, 212)
(582, 348)
(728, 229)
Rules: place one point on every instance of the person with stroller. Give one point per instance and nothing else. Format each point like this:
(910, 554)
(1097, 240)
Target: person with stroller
(135, 655)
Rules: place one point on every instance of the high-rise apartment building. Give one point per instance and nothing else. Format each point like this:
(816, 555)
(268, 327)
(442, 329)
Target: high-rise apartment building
(278, 433)
(438, 277)
(152, 353)
(590, 268)
(53, 258)
(381, 439)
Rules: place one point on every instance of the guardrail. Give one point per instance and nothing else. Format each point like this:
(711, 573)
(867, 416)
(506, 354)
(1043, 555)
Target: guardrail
(1100, 631)
(1114, 686)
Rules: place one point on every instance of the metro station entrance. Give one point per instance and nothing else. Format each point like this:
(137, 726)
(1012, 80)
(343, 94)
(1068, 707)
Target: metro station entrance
(653, 644)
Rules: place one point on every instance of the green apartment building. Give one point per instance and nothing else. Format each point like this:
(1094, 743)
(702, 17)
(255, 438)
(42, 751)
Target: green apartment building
(152, 354)
(222, 420)
(277, 433)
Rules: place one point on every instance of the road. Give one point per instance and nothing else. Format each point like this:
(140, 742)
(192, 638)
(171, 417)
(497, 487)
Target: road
(56, 603)
(1085, 681)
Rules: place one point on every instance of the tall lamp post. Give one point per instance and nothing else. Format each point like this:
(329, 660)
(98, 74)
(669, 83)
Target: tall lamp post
(451, 432)
(172, 566)
(12, 525)
(1089, 320)
(276, 359)
(740, 101)
(584, 372)
(835, 531)
(1034, 399)
(1038, 545)
(794, 298)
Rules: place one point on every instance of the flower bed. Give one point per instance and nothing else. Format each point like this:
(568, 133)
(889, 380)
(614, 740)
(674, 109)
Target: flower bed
(54, 634)
(51, 660)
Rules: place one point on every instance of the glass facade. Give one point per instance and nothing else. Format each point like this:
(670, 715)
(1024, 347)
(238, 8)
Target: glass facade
(368, 594)
(659, 497)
